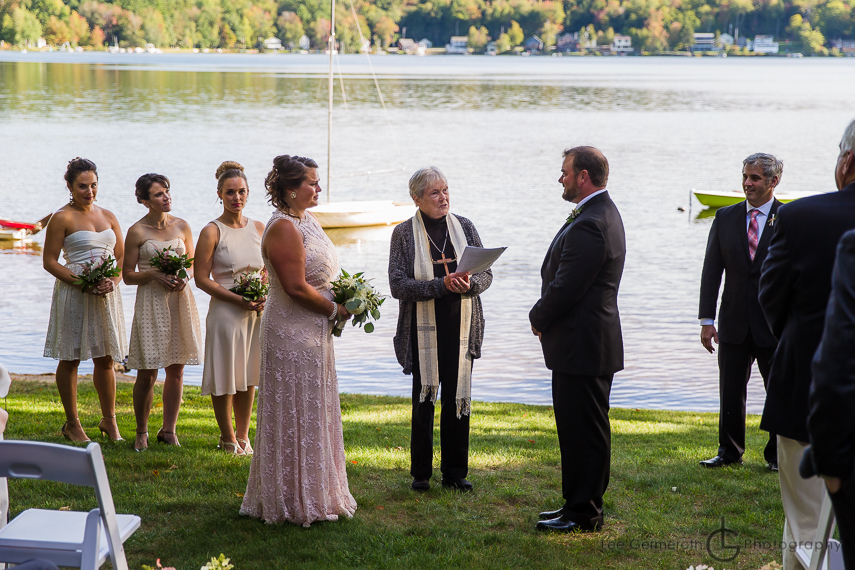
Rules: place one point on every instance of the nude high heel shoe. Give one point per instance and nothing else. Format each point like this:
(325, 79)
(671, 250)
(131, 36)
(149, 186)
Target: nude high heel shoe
(105, 428)
(141, 441)
(66, 433)
(167, 437)
(244, 444)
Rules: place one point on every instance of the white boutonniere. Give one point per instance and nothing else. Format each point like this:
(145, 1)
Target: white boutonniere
(772, 221)
(573, 215)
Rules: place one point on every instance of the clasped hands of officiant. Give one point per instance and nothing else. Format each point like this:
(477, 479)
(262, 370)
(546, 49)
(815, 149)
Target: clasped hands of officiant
(457, 282)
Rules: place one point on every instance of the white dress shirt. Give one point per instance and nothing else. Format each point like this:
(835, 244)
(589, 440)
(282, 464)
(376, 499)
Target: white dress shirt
(597, 193)
(761, 224)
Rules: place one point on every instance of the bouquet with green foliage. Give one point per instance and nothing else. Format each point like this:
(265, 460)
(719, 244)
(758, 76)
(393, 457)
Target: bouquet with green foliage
(252, 285)
(95, 271)
(359, 297)
(220, 563)
(168, 261)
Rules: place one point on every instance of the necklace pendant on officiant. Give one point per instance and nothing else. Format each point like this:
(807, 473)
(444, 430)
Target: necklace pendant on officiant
(444, 261)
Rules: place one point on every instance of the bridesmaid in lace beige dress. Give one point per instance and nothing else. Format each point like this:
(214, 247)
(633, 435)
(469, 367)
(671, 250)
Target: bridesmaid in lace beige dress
(88, 324)
(229, 246)
(298, 470)
(165, 332)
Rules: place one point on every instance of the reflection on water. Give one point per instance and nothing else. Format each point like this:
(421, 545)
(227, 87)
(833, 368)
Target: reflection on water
(495, 126)
(25, 246)
(703, 214)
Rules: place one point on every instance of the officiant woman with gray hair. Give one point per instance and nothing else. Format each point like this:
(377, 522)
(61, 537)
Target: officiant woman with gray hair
(439, 312)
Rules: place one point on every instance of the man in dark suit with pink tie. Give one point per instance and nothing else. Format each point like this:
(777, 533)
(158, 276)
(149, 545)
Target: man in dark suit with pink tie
(737, 246)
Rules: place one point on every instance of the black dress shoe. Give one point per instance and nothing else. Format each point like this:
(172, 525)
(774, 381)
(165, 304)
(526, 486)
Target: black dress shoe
(773, 466)
(719, 461)
(547, 515)
(563, 524)
(420, 485)
(459, 484)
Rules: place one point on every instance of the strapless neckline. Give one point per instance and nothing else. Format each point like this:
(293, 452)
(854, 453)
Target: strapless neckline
(163, 240)
(87, 232)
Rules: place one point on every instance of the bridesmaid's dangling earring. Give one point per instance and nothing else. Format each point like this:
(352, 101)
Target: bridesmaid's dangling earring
(70, 199)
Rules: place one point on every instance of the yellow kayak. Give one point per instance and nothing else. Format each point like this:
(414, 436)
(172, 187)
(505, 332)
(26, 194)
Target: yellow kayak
(721, 198)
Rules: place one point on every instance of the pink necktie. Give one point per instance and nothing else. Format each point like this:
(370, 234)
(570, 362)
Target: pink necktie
(752, 234)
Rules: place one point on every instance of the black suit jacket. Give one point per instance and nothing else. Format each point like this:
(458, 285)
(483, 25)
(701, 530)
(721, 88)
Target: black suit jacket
(727, 251)
(577, 313)
(794, 288)
(831, 421)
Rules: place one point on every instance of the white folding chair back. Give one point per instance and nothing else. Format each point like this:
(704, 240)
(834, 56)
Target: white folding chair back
(829, 555)
(5, 381)
(66, 538)
(4, 504)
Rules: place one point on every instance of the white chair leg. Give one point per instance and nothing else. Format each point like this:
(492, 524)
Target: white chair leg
(91, 541)
(818, 559)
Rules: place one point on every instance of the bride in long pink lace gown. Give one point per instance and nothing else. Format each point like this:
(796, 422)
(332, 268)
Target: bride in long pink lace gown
(298, 470)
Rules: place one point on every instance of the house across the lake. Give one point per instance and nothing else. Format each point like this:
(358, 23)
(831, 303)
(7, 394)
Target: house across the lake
(621, 44)
(568, 42)
(846, 47)
(765, 44)
(458, 45)
(274, 44)
(533, 45)
(407, 45)
(704, 41)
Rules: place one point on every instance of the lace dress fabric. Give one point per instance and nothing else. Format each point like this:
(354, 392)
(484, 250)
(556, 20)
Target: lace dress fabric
(82, 325)
(232, 334)
(166, 326)
(298, 470)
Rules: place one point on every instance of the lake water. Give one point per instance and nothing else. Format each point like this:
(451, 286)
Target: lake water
(495, 126)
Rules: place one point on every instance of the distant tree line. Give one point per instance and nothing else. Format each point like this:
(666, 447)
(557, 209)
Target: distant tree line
(654, 25)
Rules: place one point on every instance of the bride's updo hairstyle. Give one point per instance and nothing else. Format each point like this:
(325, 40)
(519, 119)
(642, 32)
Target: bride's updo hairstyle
(228, 170)
(287, 175)
(78, 166)
(142, 189)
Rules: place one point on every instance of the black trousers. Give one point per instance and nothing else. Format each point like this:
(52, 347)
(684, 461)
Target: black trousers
(581, 405)
(734, 369)
(453, 432)
(843, 502)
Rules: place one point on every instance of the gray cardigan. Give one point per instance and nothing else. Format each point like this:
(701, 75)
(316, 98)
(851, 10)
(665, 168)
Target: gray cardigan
(408, 290)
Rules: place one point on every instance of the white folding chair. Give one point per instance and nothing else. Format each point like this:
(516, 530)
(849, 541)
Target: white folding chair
(66, 538)
(829, 555)
(5, 382)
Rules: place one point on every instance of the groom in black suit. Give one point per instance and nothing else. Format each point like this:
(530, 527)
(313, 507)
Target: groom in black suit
(578, 324)
(738, 242)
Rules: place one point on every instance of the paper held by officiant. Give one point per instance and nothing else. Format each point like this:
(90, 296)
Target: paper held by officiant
(478, 259)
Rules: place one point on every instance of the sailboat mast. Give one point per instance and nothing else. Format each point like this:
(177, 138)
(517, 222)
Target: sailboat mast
(329, 121)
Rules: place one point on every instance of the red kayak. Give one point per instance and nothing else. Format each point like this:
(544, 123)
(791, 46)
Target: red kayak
(17, 225)
(34, 228)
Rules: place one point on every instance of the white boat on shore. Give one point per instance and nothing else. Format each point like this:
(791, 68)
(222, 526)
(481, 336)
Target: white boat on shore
(362, 213)
(7, 234)
(354, 214)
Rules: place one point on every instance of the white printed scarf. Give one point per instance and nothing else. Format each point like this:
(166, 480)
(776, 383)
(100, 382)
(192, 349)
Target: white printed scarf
(426, 320)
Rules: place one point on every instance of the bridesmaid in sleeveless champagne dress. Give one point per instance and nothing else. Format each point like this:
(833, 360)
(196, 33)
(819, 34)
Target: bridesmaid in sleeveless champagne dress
(228, 247)
(88, 324)
(165, 332)
(298, 471)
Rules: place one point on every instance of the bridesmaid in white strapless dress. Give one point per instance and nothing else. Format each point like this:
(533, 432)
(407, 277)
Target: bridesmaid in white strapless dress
(165, 332)
(91, 324)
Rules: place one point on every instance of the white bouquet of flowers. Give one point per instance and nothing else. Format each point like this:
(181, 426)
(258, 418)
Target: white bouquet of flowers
(359, 297)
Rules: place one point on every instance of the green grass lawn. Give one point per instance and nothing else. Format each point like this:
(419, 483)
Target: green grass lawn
(660, 506)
